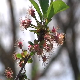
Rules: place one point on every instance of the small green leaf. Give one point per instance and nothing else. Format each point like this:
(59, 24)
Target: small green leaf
(32, 53)
(30, 60)
(37, 8)
(44, 6)
(36, 41)
(50, 13)
(59, 6)
(25, 52)
(25, 76)
(33, 31)
(55, 7)
(30, 43)
(19, 56)
(51, 2)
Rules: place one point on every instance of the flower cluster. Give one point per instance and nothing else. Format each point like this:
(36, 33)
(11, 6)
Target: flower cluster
(46, 38)
(25, 23)
(8, 73)
(41, 46)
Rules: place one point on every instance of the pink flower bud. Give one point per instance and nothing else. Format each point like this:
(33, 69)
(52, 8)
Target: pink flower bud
(53, 30)
(32, 12)
(44, 58)
(20, 45)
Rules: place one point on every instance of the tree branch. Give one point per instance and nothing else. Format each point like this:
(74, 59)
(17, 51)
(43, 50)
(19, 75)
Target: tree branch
(25, 61)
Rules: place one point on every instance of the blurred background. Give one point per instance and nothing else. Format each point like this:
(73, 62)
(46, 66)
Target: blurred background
(64, 64)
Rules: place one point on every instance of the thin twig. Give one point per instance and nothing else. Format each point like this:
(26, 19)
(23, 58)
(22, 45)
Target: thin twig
(25, 61)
